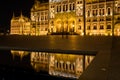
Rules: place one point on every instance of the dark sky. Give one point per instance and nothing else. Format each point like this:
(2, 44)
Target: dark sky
(7, 7)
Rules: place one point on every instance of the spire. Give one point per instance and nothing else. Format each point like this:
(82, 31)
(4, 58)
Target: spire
(13, 15)
(21, 15)
(36, 1)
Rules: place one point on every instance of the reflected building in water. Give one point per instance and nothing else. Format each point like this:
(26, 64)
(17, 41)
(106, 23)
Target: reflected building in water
(40, 61)
(21, 54)
(57, 64)
(66, 65)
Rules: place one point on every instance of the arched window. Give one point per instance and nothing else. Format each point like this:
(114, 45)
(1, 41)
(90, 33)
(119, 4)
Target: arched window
(79, 27)
(96, 12)
(70, 6)
(60, 65)
(108, 26)
(101, 27)
(103, 11)
(63, 7)
(88, 27)
(118, 18)
(94, 27)
(88, 13)
(118, 10)
(66, 66)
(66, 7)
(73, 67)
(100, 12)
(79, 20)
(73, 6)
(109, 11)
(57, 64)
(93, 12)
(63, 65)
(70, 67)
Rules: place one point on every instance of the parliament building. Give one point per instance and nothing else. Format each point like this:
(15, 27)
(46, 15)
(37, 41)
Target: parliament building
(82, 17)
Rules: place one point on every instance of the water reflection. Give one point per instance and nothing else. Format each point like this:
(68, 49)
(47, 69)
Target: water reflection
(56, 64)
(19, 53)
(40, 61)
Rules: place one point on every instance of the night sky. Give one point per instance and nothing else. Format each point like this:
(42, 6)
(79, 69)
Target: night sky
(7, 7)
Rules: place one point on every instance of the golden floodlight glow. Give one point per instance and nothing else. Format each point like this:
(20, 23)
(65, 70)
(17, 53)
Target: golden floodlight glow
(59, 16)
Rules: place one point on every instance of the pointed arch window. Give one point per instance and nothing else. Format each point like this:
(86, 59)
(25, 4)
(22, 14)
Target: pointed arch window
(94, 27)
(101, 27)
(109, 11)
(108, 26)
(88, 13)
(63, 7)
(73, 6)
(88, 27)
(118, 10)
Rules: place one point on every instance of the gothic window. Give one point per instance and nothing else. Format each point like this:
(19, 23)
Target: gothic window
(73, 6)
(63, 65)
(45, 17)
(60, 8)
(88, 20)
(100, 12)
(94, 27)
(78, 2)
(108, 26)
(103, 11)
(88, 13)
(52, 23)
(79, 28)
(93, 12)
(60, 65)
(70, 67)
(88, 27)
(73, 67)
(101, 27)
(42, 17)
(57, 8)
(70, 6)
(63, 7)
(101, 19)
(57, 65)
(79, 20)
(73, 22)
(96, 12)
(108, 19)
(66, 66)
(66, 7)
(109, 11)
(52, 6)
(118, 18)
(118, 9)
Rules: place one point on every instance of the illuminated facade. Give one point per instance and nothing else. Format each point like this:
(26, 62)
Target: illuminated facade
(102, 17)
(66, 16)
(20, 25)
(91, 17)
(39, 18)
